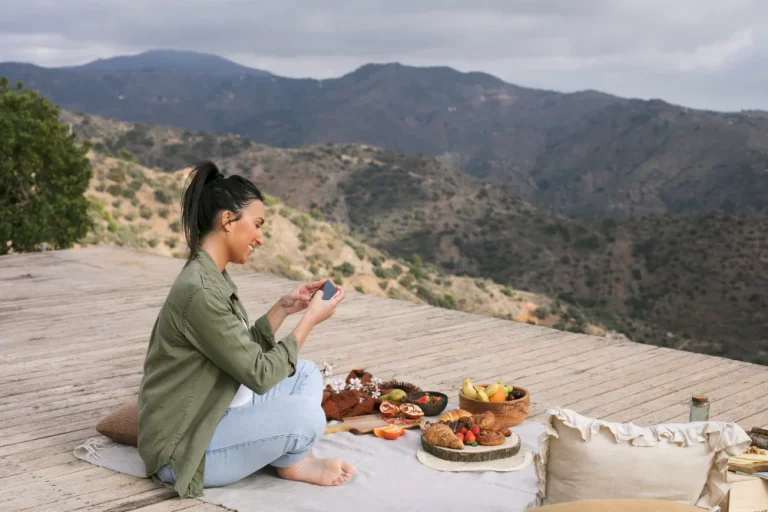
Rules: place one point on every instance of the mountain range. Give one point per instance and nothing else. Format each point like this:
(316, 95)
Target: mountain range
(585, 154)
(695, 281)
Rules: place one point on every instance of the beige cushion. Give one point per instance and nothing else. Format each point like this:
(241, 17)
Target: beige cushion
(122, 425)
(582, 458)
(621, 506)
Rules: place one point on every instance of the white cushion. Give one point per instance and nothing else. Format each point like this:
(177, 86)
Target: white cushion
(583, 458)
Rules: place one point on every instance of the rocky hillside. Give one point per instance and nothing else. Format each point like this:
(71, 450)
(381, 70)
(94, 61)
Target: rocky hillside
(688, 280)
(584, 154)
(137, 207)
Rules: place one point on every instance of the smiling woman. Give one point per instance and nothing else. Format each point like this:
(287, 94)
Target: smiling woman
(221, 399)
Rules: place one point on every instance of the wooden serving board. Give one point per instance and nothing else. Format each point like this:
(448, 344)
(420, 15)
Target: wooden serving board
(749, 468)
(476, 453)
(365, 424)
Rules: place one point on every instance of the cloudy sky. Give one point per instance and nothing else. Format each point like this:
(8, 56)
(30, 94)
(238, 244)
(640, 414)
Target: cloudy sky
(700, 53)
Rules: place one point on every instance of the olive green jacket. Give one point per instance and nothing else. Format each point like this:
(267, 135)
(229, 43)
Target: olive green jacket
(199, 353)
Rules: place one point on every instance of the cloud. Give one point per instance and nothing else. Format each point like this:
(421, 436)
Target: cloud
(683, 51)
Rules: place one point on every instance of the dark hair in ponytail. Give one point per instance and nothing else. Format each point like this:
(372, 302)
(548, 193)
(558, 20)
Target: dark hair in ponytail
(207, 194)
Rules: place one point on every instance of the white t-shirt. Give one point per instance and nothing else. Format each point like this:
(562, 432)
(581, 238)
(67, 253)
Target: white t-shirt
(244, 395)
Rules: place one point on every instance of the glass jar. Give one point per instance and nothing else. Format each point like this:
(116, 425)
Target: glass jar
(699, 408)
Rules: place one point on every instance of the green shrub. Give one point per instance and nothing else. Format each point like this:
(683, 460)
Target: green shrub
(407, 281)
(163, 213)
(152, 242)
(124, 154)
(270, 200)
(145, 212)
(136, 185)
(175, 226)
(345, 269)
(359, 288)
(115, 190)
(172, 241)
(507, 291)
(163, 196)
(316, 214)
(541, 312)
(117, 203)
(116, 174)
(301, 220)
(129, 193)
(129, 216)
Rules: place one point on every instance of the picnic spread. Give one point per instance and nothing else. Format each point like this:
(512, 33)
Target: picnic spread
(463, 439)
(396, 434)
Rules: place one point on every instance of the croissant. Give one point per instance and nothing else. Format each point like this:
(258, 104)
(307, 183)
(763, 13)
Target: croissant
(441, 434)
(454, 414)
(485, 420)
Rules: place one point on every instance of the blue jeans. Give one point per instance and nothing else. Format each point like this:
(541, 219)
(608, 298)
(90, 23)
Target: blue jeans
(277, 428)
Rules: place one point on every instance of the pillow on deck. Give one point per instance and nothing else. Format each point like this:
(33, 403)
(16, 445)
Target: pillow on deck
(582, 458)
(621, 506)
(122, 425)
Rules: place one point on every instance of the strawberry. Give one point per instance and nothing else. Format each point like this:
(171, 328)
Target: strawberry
(469, 437)
(422, 399)
(435, 398)
(460, 436)
(463, 430)
(475, 429)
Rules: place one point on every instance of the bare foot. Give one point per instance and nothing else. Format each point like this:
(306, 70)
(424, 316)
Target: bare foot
(318, 471)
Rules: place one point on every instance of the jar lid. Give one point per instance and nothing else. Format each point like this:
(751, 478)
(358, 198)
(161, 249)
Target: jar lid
(700, 399)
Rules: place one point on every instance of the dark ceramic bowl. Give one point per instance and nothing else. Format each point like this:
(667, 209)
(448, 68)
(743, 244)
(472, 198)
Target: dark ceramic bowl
(430, 408)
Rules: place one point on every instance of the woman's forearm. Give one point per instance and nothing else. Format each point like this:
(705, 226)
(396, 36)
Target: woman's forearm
(276, 315)
(302, 329)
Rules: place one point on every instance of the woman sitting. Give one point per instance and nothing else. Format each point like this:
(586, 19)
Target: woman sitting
(220, 398)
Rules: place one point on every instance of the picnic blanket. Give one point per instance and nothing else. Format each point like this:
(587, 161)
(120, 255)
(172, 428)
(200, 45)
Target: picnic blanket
(389, 477)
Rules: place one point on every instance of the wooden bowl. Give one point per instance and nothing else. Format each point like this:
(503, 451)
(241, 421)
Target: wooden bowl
(509, 412)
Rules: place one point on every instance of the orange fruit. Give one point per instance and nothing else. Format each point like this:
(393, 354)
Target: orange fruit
(499, 396)
(390, 432)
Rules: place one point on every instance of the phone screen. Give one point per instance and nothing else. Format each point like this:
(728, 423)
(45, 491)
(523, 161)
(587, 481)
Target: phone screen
(328, 290)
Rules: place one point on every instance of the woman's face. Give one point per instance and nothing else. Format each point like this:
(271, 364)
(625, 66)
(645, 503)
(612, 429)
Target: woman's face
(245, 233)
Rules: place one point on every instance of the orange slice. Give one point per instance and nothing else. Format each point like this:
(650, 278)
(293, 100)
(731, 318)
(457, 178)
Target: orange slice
(389, 432)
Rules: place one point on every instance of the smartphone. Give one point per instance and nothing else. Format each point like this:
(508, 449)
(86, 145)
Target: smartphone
(329, 290)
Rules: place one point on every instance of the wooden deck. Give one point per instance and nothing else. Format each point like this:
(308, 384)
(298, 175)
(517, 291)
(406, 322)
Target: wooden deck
(74, 327)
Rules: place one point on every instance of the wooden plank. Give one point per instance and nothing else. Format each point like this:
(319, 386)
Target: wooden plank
(171, 505)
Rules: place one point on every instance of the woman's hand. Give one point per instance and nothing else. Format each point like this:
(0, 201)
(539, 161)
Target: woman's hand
(298, 300)
(320, 310)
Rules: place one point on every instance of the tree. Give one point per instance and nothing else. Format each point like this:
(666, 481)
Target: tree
(44, 174)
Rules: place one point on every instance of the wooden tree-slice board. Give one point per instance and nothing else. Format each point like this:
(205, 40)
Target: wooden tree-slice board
(365, 424)
(476, 453)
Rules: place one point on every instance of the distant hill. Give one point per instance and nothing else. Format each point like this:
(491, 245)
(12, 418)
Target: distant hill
(137, 207)
(585, 154)
(693, 281)
(172, 60)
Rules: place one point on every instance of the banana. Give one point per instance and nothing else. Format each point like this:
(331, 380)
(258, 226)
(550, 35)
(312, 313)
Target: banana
(492, 389)
(468, 389)
(482, 395)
